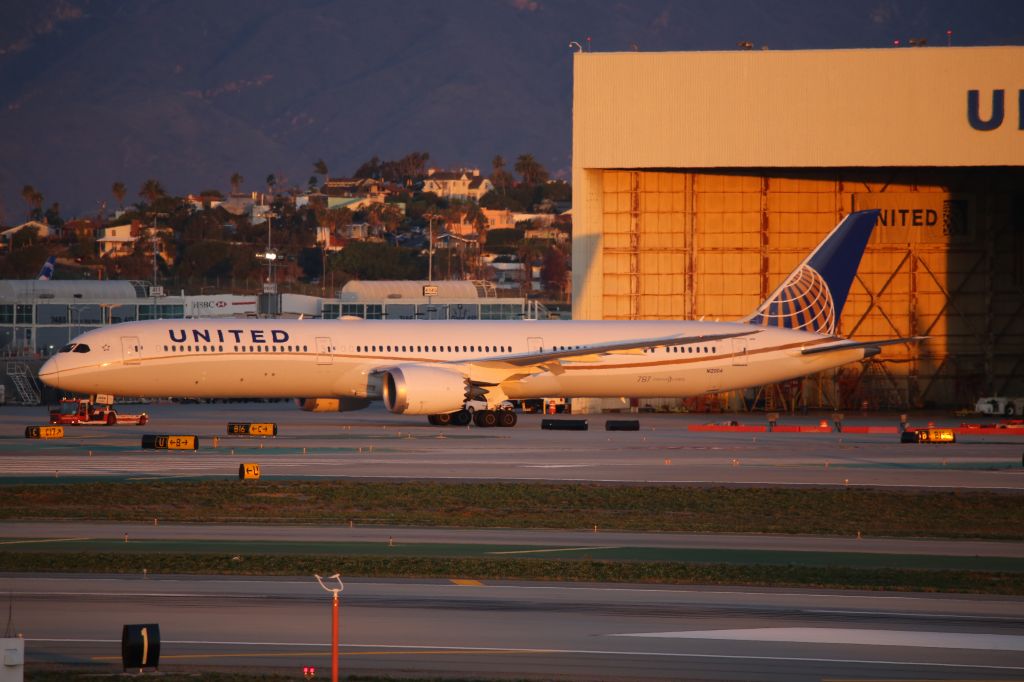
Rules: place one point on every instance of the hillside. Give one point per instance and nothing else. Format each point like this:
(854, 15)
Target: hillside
(96, 91)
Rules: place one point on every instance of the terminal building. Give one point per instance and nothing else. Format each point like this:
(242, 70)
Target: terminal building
(701, 179)
(38, 317)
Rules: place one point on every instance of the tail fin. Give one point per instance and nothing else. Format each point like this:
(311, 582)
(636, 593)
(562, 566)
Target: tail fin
(813, 295)
(47, 271)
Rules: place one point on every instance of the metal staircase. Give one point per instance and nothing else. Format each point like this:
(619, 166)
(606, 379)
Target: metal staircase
(24, 383)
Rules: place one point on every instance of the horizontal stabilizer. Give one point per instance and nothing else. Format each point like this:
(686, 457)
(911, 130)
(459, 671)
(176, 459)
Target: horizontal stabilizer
(850, 345)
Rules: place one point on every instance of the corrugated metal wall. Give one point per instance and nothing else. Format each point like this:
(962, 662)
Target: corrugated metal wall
(798, 108)
(946, 261)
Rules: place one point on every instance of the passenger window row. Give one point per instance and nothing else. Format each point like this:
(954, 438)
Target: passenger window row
(189, 348)
(684, 349)
(374, 348)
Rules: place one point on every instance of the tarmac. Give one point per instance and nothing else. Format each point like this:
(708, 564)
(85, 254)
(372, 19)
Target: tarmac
(375, 444)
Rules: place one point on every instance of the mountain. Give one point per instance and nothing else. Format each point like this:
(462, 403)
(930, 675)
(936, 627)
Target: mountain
(189, 92)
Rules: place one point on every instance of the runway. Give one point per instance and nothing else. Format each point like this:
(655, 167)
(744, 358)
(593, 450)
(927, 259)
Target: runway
(376, 444)
(524, 629)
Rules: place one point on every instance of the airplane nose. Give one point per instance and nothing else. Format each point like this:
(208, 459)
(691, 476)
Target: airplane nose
(49, 373)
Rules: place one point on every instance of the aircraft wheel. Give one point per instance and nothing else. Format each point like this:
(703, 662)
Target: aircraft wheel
(485, 418)
(1009, 411)
(507, 418)
(462, 418)
(442, 419)
(432, 419)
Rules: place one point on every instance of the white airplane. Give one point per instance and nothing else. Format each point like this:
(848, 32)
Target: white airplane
(436, 368)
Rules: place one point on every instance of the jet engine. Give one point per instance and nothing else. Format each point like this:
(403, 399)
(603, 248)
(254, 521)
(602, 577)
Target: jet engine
(332, 404)
(418, 389)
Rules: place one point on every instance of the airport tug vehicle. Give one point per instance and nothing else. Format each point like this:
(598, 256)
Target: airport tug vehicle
(95, 410)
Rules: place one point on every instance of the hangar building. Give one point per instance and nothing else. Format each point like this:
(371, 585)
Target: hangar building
(701, 179)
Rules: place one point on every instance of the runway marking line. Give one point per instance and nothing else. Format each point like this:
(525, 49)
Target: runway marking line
(598, 652)
(850, 636)
(553, 549)
(467, 583)
(30, 542)
(345, 654)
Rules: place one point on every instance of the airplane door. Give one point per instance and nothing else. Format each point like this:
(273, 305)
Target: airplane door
(739, 352)
(535, 344)
(131, 350)
(323, 351)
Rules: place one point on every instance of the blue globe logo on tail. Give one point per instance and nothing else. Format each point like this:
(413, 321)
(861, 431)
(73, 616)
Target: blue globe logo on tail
(812, 297)
(802, 302)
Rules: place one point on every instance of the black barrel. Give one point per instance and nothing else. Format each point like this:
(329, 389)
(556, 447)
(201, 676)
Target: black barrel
(564, 424)
(622, 425)
(140, 646)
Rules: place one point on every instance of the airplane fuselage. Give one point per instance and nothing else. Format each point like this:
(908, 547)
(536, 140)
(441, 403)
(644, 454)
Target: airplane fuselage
(345, 358)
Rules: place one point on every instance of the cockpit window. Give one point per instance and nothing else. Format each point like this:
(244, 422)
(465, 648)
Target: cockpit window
(68, 348)
(80, 348)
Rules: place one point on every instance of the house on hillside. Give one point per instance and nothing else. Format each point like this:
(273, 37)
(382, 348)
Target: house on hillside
(499, 219)
(119, 240)
(79, 229)
(460, 184)
(355, 193)
(199, 202)
(41, 231)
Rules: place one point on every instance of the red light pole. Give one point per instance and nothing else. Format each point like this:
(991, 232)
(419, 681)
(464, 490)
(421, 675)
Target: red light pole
(334, 620)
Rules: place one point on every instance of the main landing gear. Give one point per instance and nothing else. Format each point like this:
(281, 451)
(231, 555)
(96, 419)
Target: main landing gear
(482, 418)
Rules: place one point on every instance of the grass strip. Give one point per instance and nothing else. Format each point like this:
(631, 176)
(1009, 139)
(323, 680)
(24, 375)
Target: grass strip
(583, 570)
(821, 511)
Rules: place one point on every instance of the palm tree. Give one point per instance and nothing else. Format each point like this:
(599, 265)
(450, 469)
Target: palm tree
(28, 193)
(152, 190)
(271, 183)
(236, 182)
(119, 191)
(530, 170)
(320, 168)
(500, 177)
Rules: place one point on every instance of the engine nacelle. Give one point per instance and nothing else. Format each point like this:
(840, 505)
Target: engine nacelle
(332, 404)
(417, 389)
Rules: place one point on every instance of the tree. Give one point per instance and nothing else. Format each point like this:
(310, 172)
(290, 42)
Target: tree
(34, 199)
(369, 169)
(553, 271)
(500, 178)
(53, 215)
(271, 183)
(530, 170)
(119, 191)
(320, 168)
(312, 184)
(406, 170)
(236, 182)
(368, 260)
(152, 190)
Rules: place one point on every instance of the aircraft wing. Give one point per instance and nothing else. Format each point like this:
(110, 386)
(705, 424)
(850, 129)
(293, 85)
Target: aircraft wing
(592, 352)
(850, 345)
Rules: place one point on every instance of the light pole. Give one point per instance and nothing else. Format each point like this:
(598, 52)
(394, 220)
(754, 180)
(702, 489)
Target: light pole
(334, 620)
(270, 261)
(430, 251)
